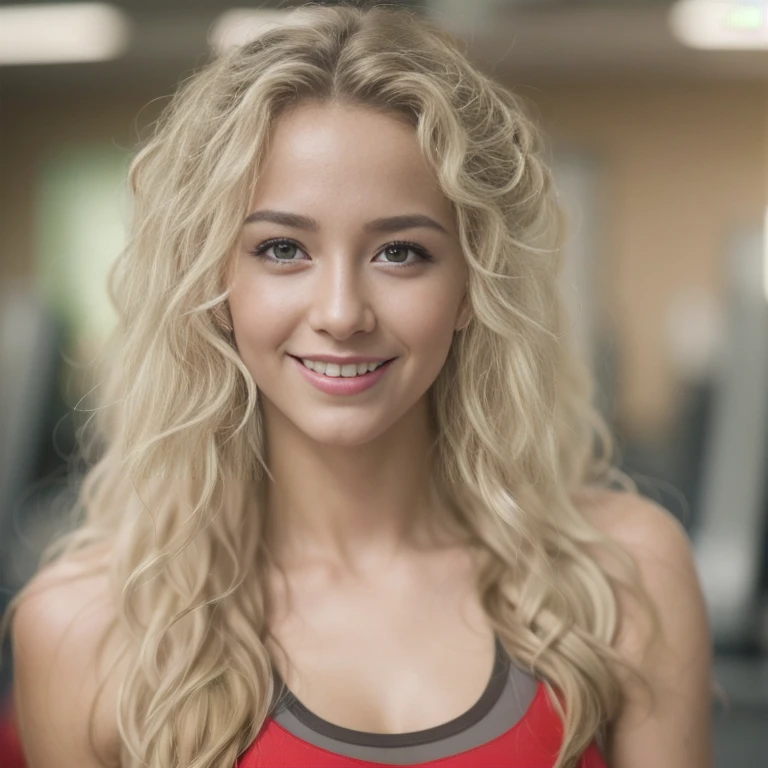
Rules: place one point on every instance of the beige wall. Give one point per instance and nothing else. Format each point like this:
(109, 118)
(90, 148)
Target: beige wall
(683, 165)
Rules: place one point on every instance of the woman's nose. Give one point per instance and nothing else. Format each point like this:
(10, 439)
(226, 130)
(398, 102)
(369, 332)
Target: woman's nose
(340, 301)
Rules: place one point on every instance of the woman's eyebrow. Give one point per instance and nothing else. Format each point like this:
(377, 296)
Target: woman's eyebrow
(385, 225)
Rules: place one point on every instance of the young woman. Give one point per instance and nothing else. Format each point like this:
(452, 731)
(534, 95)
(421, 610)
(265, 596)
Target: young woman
(347, 509)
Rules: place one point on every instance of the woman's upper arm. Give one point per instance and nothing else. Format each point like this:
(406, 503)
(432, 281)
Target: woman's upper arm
(54, 633)
(677, 731)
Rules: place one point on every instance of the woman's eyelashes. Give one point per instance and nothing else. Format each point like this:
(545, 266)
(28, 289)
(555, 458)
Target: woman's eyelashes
(285, 249)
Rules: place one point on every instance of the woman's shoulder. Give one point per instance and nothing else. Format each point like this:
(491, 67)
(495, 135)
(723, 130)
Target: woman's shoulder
(676, 661)
(75, 580)
(67, 601)
(57, 629)
(633, 520)
(657, 543)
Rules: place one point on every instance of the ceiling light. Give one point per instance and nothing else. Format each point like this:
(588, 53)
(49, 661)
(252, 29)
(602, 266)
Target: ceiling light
(239, 25)
(721, 24)
(62, 32)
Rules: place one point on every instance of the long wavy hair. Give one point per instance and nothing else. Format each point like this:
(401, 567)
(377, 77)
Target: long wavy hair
(176, 494)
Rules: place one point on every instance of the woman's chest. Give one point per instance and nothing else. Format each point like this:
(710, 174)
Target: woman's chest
(400, 673)
(391, 657)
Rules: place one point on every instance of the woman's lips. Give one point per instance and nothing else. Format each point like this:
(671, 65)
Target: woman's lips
(339, 385)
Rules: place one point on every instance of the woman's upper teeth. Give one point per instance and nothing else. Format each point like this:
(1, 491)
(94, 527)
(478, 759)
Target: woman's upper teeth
(333, 369)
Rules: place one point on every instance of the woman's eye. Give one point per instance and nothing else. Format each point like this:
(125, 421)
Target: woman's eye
(284, 252)
(398, 253)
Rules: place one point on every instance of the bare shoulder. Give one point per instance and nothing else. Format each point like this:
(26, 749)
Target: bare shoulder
(658, 544)
(641, 525)
(675, 730)
(56, 631)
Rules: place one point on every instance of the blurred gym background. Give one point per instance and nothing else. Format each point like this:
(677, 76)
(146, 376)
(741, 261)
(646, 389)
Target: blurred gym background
(656, 116)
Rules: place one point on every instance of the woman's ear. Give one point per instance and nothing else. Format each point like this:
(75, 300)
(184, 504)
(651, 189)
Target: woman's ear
(465, 313)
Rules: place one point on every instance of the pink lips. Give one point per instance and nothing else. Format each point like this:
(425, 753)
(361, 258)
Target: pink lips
(340, 385)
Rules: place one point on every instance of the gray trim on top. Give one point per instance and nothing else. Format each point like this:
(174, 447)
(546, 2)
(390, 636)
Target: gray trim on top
(503, 703)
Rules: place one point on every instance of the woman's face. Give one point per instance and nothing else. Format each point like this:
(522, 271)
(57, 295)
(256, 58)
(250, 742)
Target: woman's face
(334, 182)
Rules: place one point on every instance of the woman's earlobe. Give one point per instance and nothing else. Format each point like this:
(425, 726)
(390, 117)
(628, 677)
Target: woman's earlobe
(465, 314)
(464, 319)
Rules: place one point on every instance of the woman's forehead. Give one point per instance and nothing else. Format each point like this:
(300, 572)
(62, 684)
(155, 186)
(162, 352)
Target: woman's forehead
(346, 154)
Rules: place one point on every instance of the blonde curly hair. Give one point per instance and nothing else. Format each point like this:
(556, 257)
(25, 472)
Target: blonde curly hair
(177, 491)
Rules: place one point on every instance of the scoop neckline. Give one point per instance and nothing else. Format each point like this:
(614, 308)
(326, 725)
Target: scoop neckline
(488, 698)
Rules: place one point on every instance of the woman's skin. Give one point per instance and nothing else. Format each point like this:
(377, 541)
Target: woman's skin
(349, 471)
(377, 611)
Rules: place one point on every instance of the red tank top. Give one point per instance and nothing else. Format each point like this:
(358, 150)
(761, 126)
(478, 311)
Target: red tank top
(532, 742)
